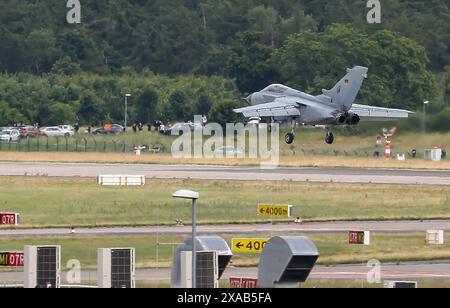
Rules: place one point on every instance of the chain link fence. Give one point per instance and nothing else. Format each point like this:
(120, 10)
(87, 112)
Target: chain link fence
(78, 144)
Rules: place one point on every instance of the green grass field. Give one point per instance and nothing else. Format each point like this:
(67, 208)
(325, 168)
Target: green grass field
(55, 202)
(310, 142)
(334, 249)
(353, 148)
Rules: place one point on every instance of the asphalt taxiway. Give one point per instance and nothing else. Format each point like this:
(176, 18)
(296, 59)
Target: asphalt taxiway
(200, 172)
(341, 227)
(389, 271)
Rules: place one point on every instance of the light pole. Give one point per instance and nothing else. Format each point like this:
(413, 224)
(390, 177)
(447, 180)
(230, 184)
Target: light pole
(424, 123)
(425, 116)
(126, 110)
(191, 195)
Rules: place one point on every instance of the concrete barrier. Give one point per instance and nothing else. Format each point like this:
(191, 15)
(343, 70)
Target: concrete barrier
(121, 180)
(435, 237)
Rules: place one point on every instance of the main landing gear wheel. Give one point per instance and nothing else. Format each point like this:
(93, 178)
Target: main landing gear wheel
(329, 139)
(290, 138)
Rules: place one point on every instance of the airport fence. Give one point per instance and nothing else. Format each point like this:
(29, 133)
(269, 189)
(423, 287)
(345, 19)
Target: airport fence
(79, 144)
(312, 152)
(150, 143)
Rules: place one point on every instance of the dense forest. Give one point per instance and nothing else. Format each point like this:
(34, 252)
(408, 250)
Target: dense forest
(180, 57)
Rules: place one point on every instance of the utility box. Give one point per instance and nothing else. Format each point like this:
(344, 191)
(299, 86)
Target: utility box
(207, 270)
(401, 157)
(203, 243)
(42, 267)
(433, 155)
(287, 262)
(435, 237)
(427, 155)
(436, 154)
(116, 268)
(400, 285)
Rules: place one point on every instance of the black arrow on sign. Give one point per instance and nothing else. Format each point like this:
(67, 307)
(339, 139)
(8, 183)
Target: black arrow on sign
(239, 245)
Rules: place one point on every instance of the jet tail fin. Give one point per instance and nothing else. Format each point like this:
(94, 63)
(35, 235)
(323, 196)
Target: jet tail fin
(345, 91)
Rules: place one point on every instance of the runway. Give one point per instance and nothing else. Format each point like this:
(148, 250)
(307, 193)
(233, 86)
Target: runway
(383, 227)
(389, 271)
(198, 172)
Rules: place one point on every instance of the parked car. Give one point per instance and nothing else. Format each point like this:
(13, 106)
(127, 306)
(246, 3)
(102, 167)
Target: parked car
(117, 129)
(35, 132)
(181, 127)
(228, 151)
(10, 135)
(68, 129)
(29, 131)
(55, 132)
(100, 131)
(114, 129)
(7, 128)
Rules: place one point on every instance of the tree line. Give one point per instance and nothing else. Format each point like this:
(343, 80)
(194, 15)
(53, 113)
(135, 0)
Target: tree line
(96, 100)
(180, 57)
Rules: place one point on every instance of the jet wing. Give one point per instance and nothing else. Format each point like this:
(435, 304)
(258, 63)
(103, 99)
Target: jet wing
(370, 113)
(282, 107)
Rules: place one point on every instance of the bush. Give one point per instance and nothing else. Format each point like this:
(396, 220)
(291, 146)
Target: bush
(441, 121)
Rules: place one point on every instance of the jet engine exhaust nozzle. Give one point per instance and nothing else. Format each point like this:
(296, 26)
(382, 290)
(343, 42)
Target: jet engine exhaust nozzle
(341, 119)
(353, 119)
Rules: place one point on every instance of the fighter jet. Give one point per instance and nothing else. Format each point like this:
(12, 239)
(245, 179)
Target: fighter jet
(334, 107)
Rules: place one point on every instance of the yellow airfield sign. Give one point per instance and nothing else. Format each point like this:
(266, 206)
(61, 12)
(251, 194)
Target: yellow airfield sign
(249, 245)
(275, 210)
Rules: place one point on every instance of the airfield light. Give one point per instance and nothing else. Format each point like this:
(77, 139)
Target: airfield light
(424, 126)
(194, 196)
